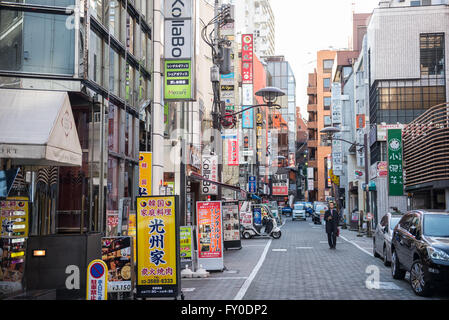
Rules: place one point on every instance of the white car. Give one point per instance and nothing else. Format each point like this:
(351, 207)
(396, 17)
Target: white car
(299, 211)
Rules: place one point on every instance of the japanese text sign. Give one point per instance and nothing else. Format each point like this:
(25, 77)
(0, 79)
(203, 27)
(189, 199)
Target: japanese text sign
(157, 246)
(395, 169)
(96, 288)
(145, 163)
(209, 235)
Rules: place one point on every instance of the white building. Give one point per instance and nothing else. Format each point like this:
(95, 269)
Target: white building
(256, 17)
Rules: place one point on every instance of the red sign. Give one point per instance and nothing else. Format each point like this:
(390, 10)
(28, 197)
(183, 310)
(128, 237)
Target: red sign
(247, 72)
(247, 58)
(209, 234)
(360, 121)
(382, 169)
(233, 152)
(280, 189)
(247, 47)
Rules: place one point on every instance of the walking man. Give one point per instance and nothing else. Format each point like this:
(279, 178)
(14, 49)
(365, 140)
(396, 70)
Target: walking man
(332, 217)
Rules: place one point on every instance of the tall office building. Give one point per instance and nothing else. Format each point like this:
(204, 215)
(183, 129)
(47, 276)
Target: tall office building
(319, 109)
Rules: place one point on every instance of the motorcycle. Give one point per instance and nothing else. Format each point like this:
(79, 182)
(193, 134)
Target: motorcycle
(269, 227)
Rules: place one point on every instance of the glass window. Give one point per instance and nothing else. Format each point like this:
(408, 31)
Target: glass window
(112, 17)
(36, 43)
(326, 83)
(327, 102)
(54, 3)
(327, 121)
(436, 225)
(432, 54)
(328, 64)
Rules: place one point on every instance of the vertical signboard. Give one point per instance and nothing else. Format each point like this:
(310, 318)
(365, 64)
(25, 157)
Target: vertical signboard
(157, 246)
(248, 119)
(186, 243)
(178, 49)
(210, 234)
(247, 58)
(145, 163)
(395, 168)
(209, 171)
(231, 224)
(233, 152)
(117, 254)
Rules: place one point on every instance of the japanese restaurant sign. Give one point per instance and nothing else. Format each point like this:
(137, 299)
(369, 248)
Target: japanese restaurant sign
(395, 168)
(145, 163)
(210, 234)
(157, 246)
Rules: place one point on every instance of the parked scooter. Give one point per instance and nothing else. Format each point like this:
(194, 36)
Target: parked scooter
(269, 227)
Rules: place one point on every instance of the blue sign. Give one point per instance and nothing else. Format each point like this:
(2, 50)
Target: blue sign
(257, 215)
(248, 118)
(252, 179)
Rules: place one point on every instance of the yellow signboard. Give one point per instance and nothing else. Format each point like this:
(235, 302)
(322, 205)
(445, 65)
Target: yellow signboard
(145, 164)
(14, 217)
(157, 246)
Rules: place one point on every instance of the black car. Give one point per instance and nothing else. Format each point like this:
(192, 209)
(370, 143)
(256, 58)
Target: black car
(420, 245)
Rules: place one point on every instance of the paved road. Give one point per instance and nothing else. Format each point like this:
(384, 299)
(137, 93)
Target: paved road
(300, 266)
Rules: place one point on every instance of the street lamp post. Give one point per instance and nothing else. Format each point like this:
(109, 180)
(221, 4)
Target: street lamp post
(330, 131)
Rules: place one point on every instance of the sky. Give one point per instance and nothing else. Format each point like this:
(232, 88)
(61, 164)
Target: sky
(305, 27)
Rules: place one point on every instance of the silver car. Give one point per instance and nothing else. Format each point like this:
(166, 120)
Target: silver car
(382, 236)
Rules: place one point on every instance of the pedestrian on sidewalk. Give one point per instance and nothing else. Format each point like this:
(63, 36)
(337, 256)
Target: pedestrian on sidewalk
(332, 216)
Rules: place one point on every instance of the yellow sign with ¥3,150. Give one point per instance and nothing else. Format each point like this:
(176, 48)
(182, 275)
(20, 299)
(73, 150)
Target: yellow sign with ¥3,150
(145, 167)
(157, 246)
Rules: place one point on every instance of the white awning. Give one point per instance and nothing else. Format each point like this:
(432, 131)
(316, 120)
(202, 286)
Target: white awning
(37, 128)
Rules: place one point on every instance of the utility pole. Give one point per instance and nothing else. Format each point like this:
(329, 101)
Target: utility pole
(368, 223)
(216, 106)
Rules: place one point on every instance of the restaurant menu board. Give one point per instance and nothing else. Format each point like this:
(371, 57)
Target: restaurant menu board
(185, 236)
(157, 247)
(231, 225)
(117, 254)
(14, 217)
(210, 235)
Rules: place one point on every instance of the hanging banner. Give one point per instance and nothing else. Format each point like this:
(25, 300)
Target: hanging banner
(97, 286)
(209, 171)
(395, 168)
(233, 152)
(145, 163)
(210, 234)
(117, 254)
(158, 247)
(247, 59)
(248, 119)
(231, 224)
(186, 243)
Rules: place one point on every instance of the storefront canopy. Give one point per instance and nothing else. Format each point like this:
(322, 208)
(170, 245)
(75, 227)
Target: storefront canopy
(37, 128)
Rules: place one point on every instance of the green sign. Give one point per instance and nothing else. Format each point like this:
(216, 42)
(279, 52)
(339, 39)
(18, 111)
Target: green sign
(395, 169)
(185, 237)
(178, 80)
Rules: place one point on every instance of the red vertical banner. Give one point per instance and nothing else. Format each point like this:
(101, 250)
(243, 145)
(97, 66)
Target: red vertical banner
(210, 235)
(233, 152)
(247, 58)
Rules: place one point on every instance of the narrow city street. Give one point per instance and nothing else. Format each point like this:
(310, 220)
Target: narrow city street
(300, 266)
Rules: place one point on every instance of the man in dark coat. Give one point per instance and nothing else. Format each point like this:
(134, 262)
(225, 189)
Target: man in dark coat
(332, 217)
